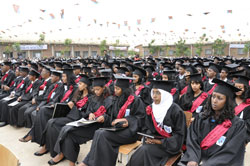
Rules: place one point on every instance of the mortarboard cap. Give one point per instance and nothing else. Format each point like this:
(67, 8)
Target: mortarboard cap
(164, 85)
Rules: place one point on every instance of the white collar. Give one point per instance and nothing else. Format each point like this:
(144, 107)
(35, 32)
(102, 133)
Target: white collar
(33, 81)
(47, 79)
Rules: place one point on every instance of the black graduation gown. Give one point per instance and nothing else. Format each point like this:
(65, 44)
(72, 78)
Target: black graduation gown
(24, 112)
(39, 122)
(231, 152)
(207, 86)
(71, 137)
(8, 80)
(246, 118)
(157, 155)
(26, 97)
(4, 109)
(144, 95)
(105, 144)
(183, 104)
(12, 87)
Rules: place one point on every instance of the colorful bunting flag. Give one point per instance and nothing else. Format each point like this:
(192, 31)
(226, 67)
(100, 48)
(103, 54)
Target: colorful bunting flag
(222, 26)
(95, 21)
(119, 26)
(152, 19)
(229, 11)
(125, 23)
(62, 13)
(206, 13)
(170, 17)
(138, 22)
(79, 18)
(16, 8)
(107, 24)
(52, 16)
(95, 1)
(189, 15)
(42, 10)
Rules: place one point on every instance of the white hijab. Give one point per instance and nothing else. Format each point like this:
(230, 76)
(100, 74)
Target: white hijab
(160, 110)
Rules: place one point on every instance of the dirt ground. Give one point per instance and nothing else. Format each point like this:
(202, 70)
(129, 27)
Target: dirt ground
(24, 151)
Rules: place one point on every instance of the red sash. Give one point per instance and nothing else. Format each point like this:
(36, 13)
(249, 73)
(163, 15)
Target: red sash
(101, 110)
(203, 78)
(78, 79)
(28, 89)
(155, 74)
(238, 109)
(20, 84)
(122, 111)
(173, 91)
(108, 84)
(184, 90)
(158, 129)
(137, 92)
(249, 83)
(43, 85)
(4, 77)
(66, 96)
(198, 102)
(214, 135)
(49, 96)
(212, 89)
(12, 83)
(148, 83)
(82, 102)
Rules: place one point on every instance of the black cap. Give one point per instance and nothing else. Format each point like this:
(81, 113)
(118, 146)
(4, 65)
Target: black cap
(191, 69)
(86, 70)
(99, 81)
(68, 70)
(225, 88)
(122, 70)
(34, 73)
(76, 66)
(66, 66)
(195, 77)
(58, 64)
(56, 73)
(85, 79)
(122, 81)
(242, 79)
(106, 72)
(164, 85)
(24, 69)
(34, 66)
(214, 67)
(139, 71)
(47, 68)
(7, 63)
(149, 68)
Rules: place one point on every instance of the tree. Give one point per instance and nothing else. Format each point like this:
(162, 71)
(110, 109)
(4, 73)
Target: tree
(67, 43)
(199, 45)
(16, 47)
(131, 52)
(154, 50)
(103, 46)
(117, 51)
(181, 48)
(41, 39)
(218, 47)
(247, 48)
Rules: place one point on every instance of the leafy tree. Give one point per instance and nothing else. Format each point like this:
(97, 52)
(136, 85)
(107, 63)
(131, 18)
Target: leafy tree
(154, 50)
(181, 48)
(199, 45)
(247, 48)
(219, 46)
(16, 47)
(103, 46)
(117, 51)
(41, 39)
(67, 43)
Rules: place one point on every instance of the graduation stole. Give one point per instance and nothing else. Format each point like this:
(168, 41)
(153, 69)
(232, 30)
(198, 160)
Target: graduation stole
(50, 93)
(238, 109)
(155, 74)
(198, 102)
(4, 77)
(212, 89)
(214, 135)
(78, 79)
(122, 110)
(137, 92)
(66, 96)
(203, 78)
(101, 110)
(173, 91)
(108, 84)
(43, 85)
(184, 90)
(162, 132)
(12, 83)
(20, 84)
(148, 83)
(28, 89)
(82, 102)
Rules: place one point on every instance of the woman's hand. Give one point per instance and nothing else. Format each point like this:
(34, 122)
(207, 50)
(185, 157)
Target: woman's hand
(71, 104)
(153, 141)
(91, 116)
(100, 119)
(120, 120)
(192, 163)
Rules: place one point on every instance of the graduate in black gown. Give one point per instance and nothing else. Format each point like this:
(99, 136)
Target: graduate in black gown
(242, 101)
(70, 137)
(216, 136)
(164, 119)
(45, 113)
(31, 91)
(212, 73)
(17, 92)
(194, 100)
(128, 111)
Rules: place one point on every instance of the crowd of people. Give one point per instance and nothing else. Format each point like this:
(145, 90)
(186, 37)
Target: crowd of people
(147, 95)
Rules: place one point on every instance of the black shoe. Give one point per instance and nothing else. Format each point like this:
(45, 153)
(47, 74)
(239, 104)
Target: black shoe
(40, 154)
(51, 162)
(3, 124)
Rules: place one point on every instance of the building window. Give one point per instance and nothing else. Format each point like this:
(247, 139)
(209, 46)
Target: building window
(67, 54)
(37, 54)
(94, 54)
(85, 54)
(77, 54)
(208, 51)
(241, 51)
(21, 55)
(171, 52)
(161, 53)
(146, 52)
(58, 54)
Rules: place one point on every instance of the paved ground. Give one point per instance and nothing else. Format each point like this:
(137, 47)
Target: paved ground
(24, 151)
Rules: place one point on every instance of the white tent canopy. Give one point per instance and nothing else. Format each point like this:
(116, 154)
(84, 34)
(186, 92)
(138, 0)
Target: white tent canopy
(132, 22)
